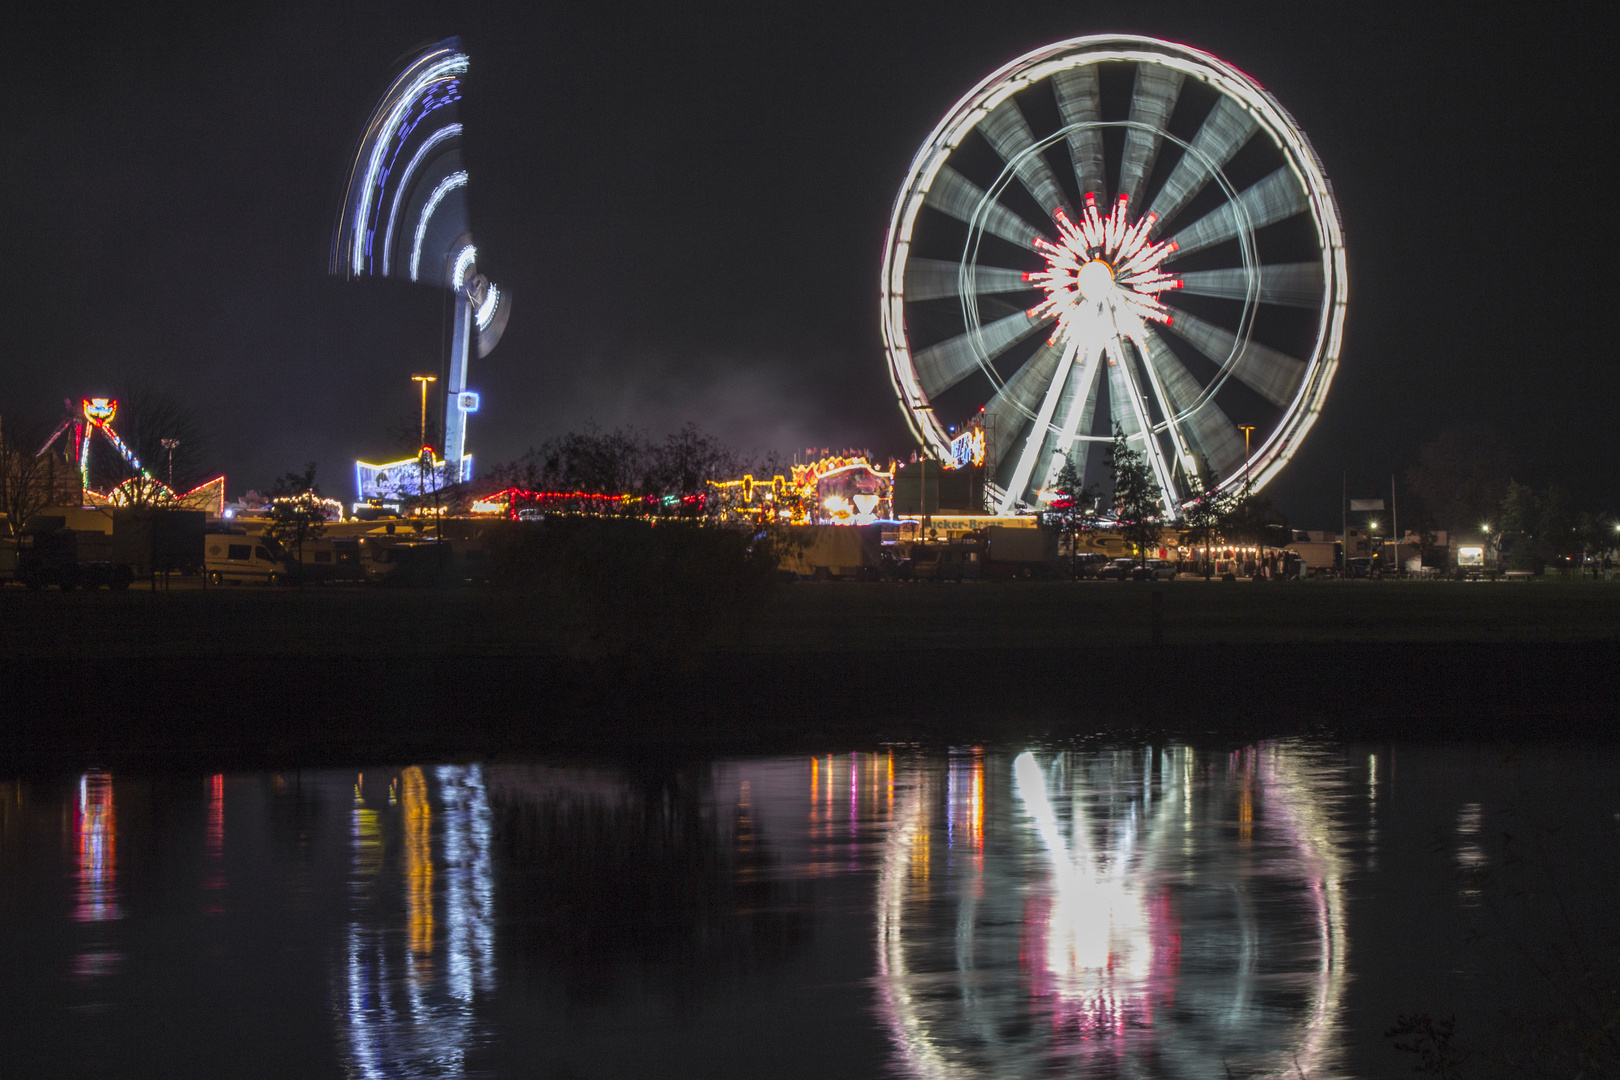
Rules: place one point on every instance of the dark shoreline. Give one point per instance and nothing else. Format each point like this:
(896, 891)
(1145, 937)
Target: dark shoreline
(308, 711)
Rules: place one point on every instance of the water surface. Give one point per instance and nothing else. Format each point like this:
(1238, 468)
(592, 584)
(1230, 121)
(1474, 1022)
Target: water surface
(1155, 910)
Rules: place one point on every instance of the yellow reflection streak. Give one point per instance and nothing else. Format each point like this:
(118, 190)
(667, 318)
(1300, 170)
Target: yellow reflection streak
(418, 861)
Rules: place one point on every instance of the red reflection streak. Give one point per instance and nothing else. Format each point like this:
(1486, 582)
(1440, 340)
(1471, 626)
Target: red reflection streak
(215, 844)
(95, 833)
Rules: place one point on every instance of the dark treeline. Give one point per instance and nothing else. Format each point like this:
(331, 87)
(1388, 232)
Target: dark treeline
(624, 461)
(1468, 479)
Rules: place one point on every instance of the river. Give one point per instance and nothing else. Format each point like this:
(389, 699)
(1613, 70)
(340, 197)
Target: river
(1109, 910)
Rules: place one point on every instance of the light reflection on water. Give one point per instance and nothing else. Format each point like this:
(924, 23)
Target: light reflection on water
(1111, 924)
(1138, 911)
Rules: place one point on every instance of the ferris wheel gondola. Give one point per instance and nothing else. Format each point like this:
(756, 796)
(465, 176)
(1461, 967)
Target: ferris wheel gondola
(1116, 232)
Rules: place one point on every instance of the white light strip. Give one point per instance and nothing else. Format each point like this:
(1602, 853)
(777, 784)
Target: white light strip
(468, 256)
(455, 64)
(486, 310)
(402, 188)
(447, 185)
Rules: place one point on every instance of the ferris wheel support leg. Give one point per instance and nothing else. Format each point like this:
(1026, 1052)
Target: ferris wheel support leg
(1037, 434)
(455, 421)
(1150, 444)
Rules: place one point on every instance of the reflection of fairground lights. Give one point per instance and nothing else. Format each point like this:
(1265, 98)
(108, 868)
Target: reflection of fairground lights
(1074, 949)
(215, 845)
(95, 833)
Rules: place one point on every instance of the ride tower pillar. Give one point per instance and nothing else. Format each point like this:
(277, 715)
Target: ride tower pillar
(457, 464)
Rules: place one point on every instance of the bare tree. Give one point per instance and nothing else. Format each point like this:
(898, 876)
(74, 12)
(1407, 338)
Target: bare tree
(30, 481)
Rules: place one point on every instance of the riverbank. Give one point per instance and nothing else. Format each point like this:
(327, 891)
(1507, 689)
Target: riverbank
(329, 674)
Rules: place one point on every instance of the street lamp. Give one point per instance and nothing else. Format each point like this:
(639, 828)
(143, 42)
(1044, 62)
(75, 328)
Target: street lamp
(424, 380)
(169, 445)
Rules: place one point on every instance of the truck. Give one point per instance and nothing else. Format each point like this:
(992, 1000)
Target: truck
(1013, 551)
(823, 552)
(51, 554)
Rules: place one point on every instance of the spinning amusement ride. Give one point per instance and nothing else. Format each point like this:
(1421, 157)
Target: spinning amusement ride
(1115, 232)
(142, 489)
(404, 215)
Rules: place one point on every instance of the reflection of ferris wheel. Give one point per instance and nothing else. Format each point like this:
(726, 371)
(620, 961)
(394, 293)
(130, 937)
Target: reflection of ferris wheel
(1116, 231)
(1117, 924)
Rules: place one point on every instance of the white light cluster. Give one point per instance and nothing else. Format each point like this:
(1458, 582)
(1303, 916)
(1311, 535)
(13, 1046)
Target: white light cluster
(468, 256)
(486, 310)
(1099, 262)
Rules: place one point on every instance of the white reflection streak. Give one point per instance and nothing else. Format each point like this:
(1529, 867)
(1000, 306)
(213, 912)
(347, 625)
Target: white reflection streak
(910, 1034)
(399, 1024)
(469, 903)
(1311, 833)
(1097, 931)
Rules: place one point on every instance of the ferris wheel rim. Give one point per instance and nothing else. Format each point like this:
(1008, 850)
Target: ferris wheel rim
(1303, 169)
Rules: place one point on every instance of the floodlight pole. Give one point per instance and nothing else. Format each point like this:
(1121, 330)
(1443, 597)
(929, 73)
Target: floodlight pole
(169, 445)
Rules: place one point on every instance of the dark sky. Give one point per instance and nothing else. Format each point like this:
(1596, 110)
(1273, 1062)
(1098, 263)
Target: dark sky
(688, 204)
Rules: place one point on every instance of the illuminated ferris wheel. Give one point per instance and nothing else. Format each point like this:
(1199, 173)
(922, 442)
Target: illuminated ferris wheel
(1115, 231)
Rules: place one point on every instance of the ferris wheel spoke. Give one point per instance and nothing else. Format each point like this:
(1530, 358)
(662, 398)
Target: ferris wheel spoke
(1078, 100)
(954, 194)
(1016, 401)
(1079, 410)
(943, 365)
(1273, 199)
(1152, 102)
(1129, 410)
(1273, 375)
(1214, 437)
(931, 279)
(1008, 132)
(1223, 134)
(1285, 284)
(1037, 434)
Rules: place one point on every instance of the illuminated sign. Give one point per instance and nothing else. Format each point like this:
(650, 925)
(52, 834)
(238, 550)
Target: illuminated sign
(968, 448)
(467, 401)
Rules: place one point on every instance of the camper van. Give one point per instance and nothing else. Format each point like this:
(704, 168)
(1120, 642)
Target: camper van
(235, 559)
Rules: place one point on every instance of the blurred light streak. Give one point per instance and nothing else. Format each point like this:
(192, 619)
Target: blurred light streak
(95, 834)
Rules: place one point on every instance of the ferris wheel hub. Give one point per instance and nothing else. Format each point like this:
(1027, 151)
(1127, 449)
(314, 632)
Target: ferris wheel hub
(1095, 279)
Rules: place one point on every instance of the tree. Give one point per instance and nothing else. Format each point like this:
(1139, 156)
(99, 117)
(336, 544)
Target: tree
(1521, 511)
(295, 511)
(1521, 518)
(1136, 496)
(30, 482)
(1075, 505)
(1205, 514)
(1461, 476)
(1253, 519)
(687, 461)
(147, 415)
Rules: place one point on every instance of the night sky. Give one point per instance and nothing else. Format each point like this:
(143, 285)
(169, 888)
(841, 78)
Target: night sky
(688, 205)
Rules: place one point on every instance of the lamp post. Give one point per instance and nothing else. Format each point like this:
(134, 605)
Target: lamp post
(424, 380)
(169, 445)
(422, 460)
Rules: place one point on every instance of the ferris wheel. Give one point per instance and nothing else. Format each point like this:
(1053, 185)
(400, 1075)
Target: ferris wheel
(1115, 232)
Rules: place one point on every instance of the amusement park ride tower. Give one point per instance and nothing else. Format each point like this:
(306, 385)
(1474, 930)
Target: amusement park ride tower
(404, 215)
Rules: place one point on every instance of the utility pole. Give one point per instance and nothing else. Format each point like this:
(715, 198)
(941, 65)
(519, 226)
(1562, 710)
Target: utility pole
(169, 445)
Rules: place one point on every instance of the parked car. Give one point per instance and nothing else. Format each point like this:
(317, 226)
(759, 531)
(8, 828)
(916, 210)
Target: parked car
(1117, 570)
(1153, 570)
(1087, 564)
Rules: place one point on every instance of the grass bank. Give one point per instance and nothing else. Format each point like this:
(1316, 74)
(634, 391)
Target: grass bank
(326, 672)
